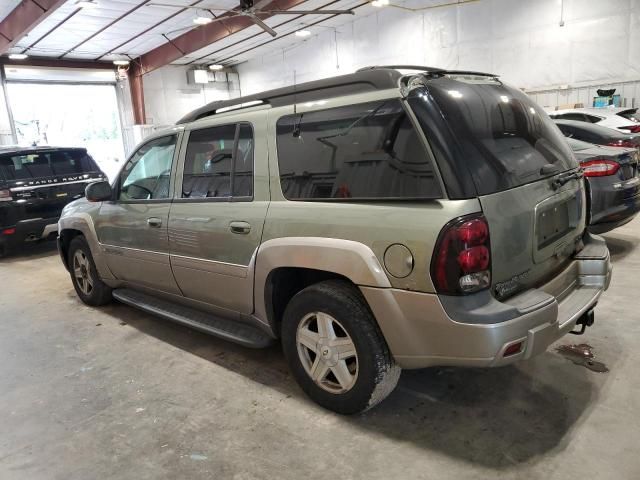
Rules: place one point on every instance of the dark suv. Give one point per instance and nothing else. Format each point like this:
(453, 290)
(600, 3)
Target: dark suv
(35, 185)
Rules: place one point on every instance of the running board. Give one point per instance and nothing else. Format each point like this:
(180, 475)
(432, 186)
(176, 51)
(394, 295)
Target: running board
(236, 332)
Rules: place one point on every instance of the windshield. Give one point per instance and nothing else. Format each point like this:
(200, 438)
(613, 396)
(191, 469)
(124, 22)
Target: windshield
(499, 134)
(37, 164)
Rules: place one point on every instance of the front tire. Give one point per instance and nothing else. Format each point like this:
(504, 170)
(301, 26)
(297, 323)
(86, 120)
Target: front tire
(84, 275)
(335, 349)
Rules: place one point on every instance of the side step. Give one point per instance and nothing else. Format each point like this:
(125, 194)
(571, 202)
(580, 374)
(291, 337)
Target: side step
(236, 332)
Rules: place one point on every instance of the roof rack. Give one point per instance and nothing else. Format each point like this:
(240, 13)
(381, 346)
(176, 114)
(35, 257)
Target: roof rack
(431, 70)
(359, 82)
(364, 80)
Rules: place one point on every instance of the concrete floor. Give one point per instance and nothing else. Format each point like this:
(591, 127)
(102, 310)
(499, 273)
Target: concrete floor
(113, 393)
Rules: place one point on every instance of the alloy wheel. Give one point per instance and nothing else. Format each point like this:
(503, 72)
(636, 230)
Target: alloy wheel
(82, 272)
(327, 352)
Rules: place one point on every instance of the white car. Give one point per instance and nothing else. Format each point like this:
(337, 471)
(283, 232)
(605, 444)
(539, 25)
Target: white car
(625, 120)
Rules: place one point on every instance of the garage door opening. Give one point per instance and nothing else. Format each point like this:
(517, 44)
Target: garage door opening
(69, 115)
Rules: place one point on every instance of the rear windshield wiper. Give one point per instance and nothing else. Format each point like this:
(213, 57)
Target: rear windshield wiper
(562, 180)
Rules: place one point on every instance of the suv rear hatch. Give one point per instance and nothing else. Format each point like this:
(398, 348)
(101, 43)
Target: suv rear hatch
(498, 145)
(41, 181)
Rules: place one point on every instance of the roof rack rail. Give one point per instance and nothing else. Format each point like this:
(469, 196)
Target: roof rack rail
(432, 70)
(358, 82)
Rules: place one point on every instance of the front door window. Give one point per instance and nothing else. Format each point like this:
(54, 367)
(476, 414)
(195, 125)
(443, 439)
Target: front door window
(147, 174)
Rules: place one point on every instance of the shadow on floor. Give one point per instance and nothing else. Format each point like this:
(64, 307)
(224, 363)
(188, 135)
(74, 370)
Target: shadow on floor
(620, 247)
(491, 417)
(31, 251)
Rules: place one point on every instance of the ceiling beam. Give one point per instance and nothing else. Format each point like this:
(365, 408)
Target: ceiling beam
(202, 36)
(24, 18)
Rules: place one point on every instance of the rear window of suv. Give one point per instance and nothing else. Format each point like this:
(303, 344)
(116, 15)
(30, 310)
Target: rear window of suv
(364, 151)
(494, 133)
(37, 164)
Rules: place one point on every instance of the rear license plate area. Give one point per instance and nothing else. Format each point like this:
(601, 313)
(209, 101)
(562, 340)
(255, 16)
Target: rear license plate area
(554, 222)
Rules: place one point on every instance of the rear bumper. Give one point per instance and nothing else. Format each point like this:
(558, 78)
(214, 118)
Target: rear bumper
(421, 333)
(613, 203)
(28, 231)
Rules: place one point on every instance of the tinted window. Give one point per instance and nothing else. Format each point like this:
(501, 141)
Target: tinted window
(630, 115)
(209, 168)
(590, 133)
(579, 117)
(147, 174)
(366, 151)
(46, 164)
(492, 132)
(592, 118)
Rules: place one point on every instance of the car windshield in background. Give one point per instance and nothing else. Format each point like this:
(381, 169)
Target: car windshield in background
(577, 145)
(502, 138)
(51, 163)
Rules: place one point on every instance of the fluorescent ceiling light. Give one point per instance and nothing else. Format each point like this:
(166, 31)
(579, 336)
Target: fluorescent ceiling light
(121, 63)
(216, 67)
(18, 56)
(202, 20)
(86, 4)
(302, 33)
(380, 3)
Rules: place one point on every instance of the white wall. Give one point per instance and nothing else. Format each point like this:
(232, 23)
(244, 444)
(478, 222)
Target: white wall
(521, 40)
(168, 96)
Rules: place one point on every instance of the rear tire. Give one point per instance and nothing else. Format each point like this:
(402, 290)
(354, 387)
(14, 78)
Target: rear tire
(84, 275)
(335, 349)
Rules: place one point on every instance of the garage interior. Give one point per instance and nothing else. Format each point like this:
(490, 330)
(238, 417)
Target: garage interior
(117, 393)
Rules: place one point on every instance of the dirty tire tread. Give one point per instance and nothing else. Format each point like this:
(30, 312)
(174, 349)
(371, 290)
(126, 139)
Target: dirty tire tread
(378, 373)
(101, 293)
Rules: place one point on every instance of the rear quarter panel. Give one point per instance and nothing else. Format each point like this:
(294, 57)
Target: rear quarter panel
(376, 225)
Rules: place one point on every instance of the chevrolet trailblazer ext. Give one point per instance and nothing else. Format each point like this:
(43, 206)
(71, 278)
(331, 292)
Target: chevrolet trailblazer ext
(376, 221)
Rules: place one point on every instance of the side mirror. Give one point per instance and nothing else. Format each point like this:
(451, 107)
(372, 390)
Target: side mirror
(98, 191)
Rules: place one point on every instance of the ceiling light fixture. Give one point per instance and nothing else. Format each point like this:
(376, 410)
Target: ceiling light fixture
(379, 3)
(86, 4)
(302, 33)
(216, 67)
(18, 56)
(121, 63)
(200, 20)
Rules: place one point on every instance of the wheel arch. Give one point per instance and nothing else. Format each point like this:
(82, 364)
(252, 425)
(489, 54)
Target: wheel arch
(285, 266)
(81, 223)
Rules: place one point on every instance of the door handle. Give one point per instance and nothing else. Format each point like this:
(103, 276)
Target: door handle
(154, 222)
(240, 227)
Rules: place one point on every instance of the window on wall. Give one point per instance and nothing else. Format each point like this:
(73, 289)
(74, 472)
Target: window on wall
(147, 174)
(365, 151)
(216, 166)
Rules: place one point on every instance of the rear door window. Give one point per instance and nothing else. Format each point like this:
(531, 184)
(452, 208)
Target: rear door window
(364, 151)
(46, 164)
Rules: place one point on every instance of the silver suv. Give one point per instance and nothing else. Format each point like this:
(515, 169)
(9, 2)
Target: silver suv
(397, 217)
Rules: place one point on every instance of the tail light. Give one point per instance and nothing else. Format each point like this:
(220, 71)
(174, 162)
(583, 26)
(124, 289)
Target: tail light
(462, 260)
(631, 128)
(600, 168)
(5, 196)
(9, 231)
(622, 143)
